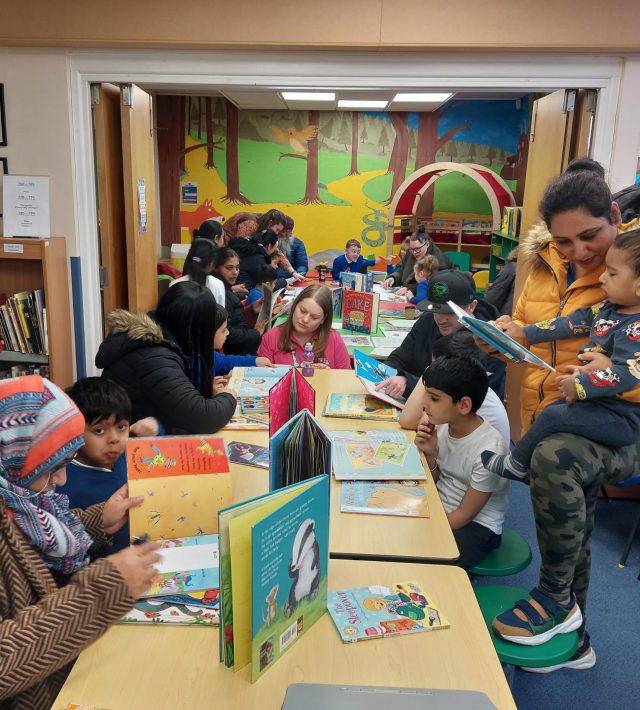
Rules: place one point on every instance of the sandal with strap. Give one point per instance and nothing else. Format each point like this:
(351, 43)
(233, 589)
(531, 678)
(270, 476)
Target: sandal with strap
(535, 629)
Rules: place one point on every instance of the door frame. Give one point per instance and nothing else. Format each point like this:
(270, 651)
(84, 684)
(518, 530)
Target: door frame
(177, 71)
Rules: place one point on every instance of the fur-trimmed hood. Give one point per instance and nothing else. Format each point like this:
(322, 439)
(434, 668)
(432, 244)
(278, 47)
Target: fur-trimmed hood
(138, 326)
(536, 239)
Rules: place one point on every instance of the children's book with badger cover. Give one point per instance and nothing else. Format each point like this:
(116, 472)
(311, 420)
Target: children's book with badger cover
(376, 611)
(274, 552)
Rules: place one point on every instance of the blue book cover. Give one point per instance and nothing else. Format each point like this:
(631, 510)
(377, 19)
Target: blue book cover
(375, 455)
(290, 554)
(378, 610)
(368, 368)
(348, 280)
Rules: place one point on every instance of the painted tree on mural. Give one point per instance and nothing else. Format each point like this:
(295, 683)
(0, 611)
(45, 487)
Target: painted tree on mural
(491, 154)
(305, 142)
(354, 144)
(219, 116)
(183, 134)
(383, 140)
(233, 196)
(363, 134)
(400, 150)
(344, 134)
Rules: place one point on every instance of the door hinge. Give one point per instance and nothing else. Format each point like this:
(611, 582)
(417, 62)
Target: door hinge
(570, 96)
(95, 94)
(127, 95)
(103, 276)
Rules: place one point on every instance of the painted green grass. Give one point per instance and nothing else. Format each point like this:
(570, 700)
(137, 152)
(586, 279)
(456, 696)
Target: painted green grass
(265, 178)
(312, 610)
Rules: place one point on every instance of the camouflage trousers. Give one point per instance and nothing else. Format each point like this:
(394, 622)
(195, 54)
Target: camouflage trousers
(566, 474)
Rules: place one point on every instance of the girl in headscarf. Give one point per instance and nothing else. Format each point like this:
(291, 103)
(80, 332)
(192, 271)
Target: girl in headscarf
(52, 602)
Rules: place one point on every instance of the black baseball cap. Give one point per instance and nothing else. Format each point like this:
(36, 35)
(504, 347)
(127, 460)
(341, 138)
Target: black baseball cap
(449, 285)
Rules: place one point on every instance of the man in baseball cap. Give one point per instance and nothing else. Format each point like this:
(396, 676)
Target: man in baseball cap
(412, 357)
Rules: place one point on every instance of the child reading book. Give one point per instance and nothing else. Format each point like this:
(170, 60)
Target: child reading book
(265, 277)
(452, 435)
(601, 405)
(223, 364)
(423, 270)
(100, 467)
(351, 261)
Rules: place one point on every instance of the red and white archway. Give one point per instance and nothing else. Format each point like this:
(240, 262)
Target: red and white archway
(407, 198)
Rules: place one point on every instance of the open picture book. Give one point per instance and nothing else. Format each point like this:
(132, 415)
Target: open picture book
(371, 371)
(498, 339)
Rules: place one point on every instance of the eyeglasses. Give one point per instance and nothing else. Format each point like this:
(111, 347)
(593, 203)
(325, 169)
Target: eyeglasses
(417, 249)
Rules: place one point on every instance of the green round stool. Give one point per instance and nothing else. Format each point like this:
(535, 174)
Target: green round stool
(513, 555)
(494, 600)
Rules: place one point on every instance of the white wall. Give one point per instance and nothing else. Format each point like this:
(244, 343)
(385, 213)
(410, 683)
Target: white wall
(37, 105)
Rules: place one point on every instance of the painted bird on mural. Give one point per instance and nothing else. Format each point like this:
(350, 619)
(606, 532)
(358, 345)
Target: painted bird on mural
(295, 139)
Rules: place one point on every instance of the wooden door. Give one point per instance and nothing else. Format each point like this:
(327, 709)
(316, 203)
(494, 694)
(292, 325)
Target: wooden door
(136, 113)
(105, 105)
(549, 153)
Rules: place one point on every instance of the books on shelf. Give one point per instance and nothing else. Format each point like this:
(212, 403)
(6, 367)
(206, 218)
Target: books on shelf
(274, 552)
(299, 450)
(511, 218)
(360, 311)
(377, 611)
(370, 371)
(375, 455)
(399, 498)
(498, 339)
(183, 480)
(23, 322)
(359, 406)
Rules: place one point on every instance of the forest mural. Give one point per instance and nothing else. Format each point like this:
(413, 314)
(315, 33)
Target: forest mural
(333, 172)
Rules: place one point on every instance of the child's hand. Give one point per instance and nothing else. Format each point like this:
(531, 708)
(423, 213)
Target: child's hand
(513, 329)
(219, 383)
(257, 305)
(592, 361)
(116, 510)
(264, 362)
(567, 385)
(297, 277)
(145, 427)
(388, 283)
(240, 288)
(502, 322)
(228, 390)
(402, 291)
(426, 436)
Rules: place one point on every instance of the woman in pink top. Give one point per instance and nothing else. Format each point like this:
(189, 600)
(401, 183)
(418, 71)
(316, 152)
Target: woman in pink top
(309, 321)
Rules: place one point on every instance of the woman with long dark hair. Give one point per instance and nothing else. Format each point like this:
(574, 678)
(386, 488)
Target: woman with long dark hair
(198, 266)
(164, 360)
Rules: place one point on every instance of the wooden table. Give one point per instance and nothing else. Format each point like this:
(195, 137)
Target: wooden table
(169, 667)
(380, 537)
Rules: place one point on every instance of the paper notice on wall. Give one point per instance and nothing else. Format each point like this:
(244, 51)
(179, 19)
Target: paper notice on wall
(189, 193)
(25, 201)
(142, 206)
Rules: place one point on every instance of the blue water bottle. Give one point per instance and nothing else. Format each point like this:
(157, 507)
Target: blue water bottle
(307, 360)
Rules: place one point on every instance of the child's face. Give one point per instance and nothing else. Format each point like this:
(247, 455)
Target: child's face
(352, 253)
(270, 284)
(221, 336)
(420, 275)
(104, 442)
(438, 406)
(619, 280)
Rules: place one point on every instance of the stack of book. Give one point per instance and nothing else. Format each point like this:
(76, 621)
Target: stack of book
(356, 282)
(23, 322)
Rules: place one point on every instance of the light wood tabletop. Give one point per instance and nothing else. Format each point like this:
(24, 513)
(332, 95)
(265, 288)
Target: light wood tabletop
(156, 666)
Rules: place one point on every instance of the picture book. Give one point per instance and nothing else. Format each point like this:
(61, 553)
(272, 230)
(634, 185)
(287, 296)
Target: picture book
(360, 311)
(336, 300)
(248, 454)
(356, 341)
(375, 455)
(392, 339)
(402, 498)
(169, 610)
(269, 300)
(498, 339)
(187, 565)
(184, 480)
(371, 371)
(291, 395)
(273, 576)
(356, 282)
(253, 385)
(398, 324)
(299, 450)
(375, 611)
(359, 406)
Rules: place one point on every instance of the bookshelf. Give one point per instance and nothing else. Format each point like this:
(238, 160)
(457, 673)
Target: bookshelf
(28, 264)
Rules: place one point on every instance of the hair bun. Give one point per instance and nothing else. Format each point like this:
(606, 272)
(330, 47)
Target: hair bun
(585, 164)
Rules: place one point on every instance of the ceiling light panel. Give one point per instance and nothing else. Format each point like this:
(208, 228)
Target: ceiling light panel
(362, 104)
(308, 96)
(419, 98)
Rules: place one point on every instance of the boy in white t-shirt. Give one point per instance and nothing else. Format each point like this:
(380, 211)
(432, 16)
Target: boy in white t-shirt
(452, 435)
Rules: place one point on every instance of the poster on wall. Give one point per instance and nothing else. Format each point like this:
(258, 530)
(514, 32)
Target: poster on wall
(25, 201)
(189, 193)
(4, 170)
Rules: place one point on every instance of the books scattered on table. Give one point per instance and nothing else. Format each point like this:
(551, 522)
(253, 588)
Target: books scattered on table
(360, 311)
(248, 454)
(184, 480)
(356, 341)
(401, 498)
(370, 371)
(398, 324)
(299, 450)
(375, 455)
(382, 351)
(359, 406)
(356, 282)
(498, 339)
(392, 338)
(273, 575)
(375, 611)
(197, 609)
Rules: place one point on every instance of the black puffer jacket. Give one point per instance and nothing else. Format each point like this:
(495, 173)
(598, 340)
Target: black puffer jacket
(252, 258)
(147, 362)
(241, 340)
(412, 357)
